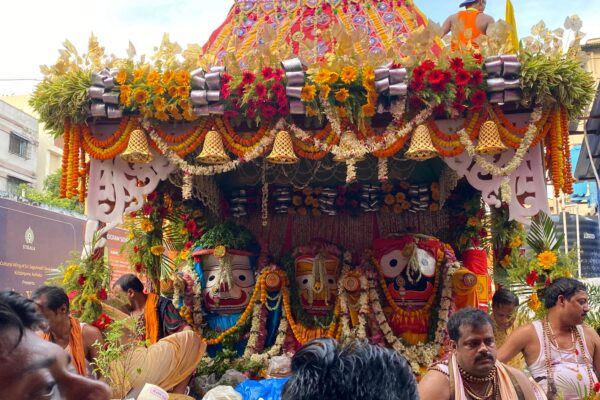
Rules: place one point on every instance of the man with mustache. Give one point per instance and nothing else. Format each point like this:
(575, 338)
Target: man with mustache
(157, 316)
(472, 371)
(562, 354)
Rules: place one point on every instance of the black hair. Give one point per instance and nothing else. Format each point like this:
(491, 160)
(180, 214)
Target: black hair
(55, 296)
(467, 316)
(359, 370)
(19, 313)
(130, 281)
(503, 297)
(566, 287)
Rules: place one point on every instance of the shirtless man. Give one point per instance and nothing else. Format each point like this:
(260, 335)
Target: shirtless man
(472, 371)
(471, 18)
(573, 349)
(75, 337)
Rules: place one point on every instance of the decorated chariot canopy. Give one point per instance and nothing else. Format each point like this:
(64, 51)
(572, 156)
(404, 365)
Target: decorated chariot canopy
(285, 92)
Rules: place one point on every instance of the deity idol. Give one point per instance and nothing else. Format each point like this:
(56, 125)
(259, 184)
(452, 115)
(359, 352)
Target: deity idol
(409, 268)
(314, 270)
(225, 264)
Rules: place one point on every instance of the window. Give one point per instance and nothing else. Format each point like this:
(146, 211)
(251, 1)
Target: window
(19, 146)
(12, 185)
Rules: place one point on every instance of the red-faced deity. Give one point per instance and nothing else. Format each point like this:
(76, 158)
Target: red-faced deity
(316, 270)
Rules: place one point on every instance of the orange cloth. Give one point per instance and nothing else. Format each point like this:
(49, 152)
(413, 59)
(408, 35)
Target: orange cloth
(468, 18)
(152, 324)
(75, 344)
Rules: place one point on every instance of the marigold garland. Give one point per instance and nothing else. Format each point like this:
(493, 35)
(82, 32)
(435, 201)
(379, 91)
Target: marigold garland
(512, 135)
(65, 159)
(568, 176)
(112, 146)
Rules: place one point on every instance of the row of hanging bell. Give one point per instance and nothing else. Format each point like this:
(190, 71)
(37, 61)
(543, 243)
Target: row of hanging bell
(421, 146)
(213, 152)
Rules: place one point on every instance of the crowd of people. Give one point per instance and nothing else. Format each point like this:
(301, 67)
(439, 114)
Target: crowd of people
(46, 353)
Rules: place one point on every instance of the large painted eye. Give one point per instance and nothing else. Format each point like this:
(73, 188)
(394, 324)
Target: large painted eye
(304, 282)
(243, 277)
(426, 263)
(211, 278)
(393, 263)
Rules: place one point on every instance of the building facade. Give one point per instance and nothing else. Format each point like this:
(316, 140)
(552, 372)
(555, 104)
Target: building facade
(18, 148)
(49, 150)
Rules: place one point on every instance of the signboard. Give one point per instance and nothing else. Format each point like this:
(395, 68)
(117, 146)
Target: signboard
(589, 240)
(33, 241)
(119, 264)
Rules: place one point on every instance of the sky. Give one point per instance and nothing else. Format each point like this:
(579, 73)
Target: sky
(32, 31)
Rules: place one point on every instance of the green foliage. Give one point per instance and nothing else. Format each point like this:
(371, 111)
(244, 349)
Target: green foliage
(230, 235)
(62, 97)
(543, 234)
(593, 316)
(50, 195)
(227, 359)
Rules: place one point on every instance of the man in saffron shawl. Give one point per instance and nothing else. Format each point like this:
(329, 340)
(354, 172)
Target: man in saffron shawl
(157, 316)
(469, 23)
(66, 331)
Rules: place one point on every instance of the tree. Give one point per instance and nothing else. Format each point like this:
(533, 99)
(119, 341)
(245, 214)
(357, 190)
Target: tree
(51, 194)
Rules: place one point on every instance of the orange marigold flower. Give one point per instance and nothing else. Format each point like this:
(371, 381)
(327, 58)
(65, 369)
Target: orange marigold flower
(158, 89)
(333, 78)
(368, 110)
(534, 302)
(547, 259)
(349, 74)
(182, 77)
(159, 104)
(325, 90)
(173, 92)
(138, 74)
(308, 92)
(311, 111)
(153, 77)
(140, 95)
(184, 104)
(389, 199)
(472, 221)
(125, 96)
(183, 91)
(342, 95)
(121, 77)
(161, 116)
(167, 76)
(369, 74)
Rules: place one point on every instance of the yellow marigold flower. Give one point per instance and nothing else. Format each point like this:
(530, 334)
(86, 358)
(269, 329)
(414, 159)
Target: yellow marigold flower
(188, 115)
(167, 76)
(184, 254)
(322, 76)
(183, 91)
(296, 200)
(333, 78)
(342, 95)
(159, 103)
(161, 116)
(308, 200)
(146, 225)
(400, 197)
(506, 261)
(131, 236)
(173, 92)
(158, 89)
(93, 298)
(184, 104)
(138, 74)
(70, 271)
(547, 259)
(534, 302)
(308, 92)
(349, 74)
(405, 205)
(121, 77)
(472, 221)
(515, 242)
(368, 110)
(157, 250)
(153, 77)
(125, 96)
(389, 199)
(140, 95)
(369, 74)
(182, 77)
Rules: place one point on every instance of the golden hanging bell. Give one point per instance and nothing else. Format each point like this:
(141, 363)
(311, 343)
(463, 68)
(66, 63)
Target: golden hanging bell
(348, 147)
(212, 150)
(283, 150)
(489, 140)
(137, 150)
(421, 147)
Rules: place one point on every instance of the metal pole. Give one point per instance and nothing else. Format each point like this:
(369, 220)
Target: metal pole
(592, 165)
(564, 214)
(578, 235)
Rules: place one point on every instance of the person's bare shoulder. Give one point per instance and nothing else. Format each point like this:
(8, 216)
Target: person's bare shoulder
(523, 382)
(434, 386)
(91, 334)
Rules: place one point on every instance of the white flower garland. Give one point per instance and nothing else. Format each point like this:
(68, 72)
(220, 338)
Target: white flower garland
(382, 169)
(186, 189)
(420, 355)
(514, 163)
(350, 170)
(359, 331)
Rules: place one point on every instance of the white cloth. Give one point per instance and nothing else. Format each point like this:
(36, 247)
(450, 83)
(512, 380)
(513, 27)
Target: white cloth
(566, 364)
(222, 392)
